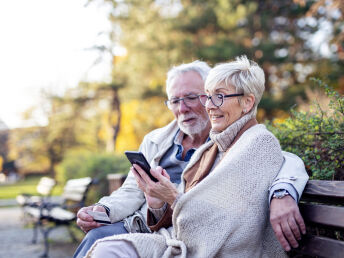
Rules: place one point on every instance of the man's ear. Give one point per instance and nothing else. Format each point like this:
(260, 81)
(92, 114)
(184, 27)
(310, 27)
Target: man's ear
(248, 102)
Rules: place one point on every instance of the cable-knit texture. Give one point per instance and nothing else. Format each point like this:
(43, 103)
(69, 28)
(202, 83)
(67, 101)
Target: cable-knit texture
(226, 214)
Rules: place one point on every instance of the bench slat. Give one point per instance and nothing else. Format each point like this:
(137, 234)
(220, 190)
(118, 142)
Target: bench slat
(323, 214)
(77, 197)
(322, 247)
(76, 189)
(334, 189)
(78, 182)
(45, 185)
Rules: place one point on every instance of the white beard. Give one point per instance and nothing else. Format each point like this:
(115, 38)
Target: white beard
(197, 128)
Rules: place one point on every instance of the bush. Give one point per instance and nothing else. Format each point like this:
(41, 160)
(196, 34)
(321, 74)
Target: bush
(95, 165)
(317, 136)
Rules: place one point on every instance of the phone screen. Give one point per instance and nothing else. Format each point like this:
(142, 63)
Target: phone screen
(136, 157)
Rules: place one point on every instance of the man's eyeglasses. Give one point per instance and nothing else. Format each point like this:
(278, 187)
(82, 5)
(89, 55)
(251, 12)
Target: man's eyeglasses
(217, 99)
(189, 100)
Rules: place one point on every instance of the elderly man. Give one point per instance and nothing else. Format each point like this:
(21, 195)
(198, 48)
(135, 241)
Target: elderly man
(171, 147)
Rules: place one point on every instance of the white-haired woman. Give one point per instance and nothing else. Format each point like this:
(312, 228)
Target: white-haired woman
(220, 208)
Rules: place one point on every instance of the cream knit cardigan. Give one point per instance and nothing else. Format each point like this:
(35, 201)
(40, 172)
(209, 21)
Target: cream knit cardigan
(226, 214)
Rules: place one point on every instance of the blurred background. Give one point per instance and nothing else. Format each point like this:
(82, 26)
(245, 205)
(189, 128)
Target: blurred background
(83, 81)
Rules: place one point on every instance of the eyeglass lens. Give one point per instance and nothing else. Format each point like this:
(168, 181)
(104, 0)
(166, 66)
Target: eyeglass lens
(189, 101)
(216, 99)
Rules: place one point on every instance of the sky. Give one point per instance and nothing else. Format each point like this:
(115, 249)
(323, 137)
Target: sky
(45, 44)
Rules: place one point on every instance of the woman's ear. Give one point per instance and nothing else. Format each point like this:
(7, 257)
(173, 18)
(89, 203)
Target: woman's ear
(248, 103)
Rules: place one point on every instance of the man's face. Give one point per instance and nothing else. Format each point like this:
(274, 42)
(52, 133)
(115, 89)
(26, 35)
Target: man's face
(192, 119)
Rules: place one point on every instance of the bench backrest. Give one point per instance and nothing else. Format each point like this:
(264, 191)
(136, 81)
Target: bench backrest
(322, 207)
(45, 186)
(76, 189)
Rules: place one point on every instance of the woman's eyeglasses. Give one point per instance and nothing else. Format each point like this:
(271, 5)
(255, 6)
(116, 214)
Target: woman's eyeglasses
(217, 99)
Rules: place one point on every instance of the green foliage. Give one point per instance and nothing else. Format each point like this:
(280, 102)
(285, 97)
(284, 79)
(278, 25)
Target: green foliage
(316, 136)
(79, 164)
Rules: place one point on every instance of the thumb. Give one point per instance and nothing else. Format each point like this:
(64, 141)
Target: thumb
(157, 173)
(98, 208)
(165, 174)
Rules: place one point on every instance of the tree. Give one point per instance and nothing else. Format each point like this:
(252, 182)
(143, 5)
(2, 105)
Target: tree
(277, 34)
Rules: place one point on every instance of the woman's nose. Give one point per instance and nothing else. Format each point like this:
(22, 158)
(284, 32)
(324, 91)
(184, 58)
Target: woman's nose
(209, 104)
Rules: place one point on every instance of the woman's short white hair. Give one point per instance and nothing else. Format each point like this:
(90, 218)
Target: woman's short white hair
(243, 74)
(200, 67)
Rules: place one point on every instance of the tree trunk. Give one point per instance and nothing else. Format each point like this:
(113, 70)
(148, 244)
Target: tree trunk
(115, 127)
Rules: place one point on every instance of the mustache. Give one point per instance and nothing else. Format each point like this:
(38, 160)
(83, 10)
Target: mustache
(186, 117)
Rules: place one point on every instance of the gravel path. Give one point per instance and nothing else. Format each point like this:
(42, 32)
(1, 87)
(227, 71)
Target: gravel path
(15, 238)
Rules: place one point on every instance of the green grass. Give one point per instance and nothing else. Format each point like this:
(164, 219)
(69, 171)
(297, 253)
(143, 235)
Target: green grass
(28, 185)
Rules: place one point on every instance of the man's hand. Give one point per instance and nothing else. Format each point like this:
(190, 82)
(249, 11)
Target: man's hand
(85, 221)
(286, 221)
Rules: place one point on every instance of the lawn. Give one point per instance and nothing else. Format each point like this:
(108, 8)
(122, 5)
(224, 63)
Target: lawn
(10, 191)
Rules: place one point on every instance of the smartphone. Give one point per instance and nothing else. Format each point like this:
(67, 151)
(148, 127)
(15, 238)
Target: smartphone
(136, 157)
(100, 217)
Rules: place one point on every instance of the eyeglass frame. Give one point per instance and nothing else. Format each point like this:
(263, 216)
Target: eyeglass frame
(168, 102)
(223, 97)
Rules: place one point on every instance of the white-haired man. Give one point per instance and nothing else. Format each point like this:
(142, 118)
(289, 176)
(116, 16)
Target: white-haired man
(171, 147)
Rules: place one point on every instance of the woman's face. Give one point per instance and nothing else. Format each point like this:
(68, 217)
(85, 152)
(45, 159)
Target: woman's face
(229, 112)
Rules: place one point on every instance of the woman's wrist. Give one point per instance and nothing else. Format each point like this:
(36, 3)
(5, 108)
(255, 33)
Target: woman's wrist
(156, 205)
(173, 198)
(176, 200)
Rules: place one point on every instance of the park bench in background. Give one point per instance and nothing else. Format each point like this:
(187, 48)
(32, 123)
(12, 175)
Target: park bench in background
(322, 207)
(49, 215)
(44, 189)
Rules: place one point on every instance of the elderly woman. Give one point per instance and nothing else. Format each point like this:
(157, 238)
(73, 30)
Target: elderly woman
(220, 208)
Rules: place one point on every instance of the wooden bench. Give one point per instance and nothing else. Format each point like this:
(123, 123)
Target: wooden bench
(49, 215)
(44, 189)
(322, 207)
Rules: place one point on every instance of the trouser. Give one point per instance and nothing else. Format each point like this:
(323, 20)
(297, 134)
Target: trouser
(98, 233)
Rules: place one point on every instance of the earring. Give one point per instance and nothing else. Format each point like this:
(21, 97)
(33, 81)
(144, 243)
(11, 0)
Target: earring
(244, 111)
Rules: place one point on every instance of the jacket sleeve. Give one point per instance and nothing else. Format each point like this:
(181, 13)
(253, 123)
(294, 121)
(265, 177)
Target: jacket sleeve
(164, 222)
(293, 173)
(128, 198)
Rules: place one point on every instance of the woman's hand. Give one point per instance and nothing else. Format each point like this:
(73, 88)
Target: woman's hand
(156, 192)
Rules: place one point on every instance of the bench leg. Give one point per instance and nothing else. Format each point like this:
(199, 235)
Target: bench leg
(35, 231)
(45, 233)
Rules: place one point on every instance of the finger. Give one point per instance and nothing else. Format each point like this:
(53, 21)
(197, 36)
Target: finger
(157, 173)
(165, 174)
(294, 228)
(86, 226)
(289, 234)
(99, 208)
(140, 182)
(300, 222)
(142, 173)
(136, 174)
(280, 237)
(83, 215)
(160, 174)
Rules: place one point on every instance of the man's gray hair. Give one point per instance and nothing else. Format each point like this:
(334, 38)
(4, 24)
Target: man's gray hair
(243, 74)
(200, 67)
